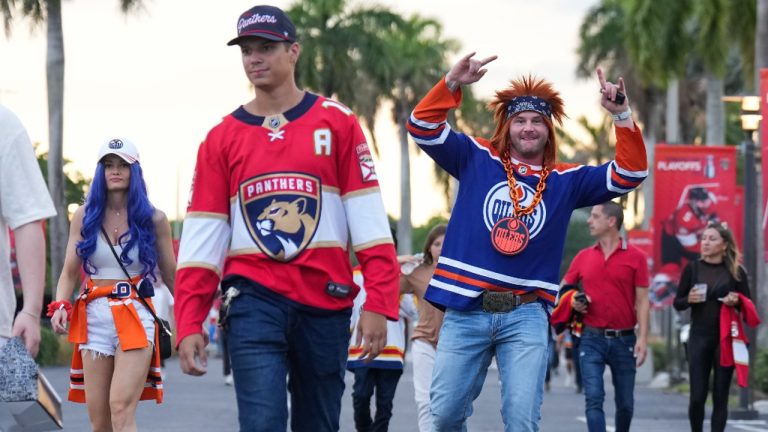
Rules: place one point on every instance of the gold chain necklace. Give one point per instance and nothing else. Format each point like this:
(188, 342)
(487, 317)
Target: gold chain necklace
(519, 211)
(510, 235)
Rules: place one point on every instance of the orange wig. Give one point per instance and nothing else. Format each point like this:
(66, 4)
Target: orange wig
(526, 86)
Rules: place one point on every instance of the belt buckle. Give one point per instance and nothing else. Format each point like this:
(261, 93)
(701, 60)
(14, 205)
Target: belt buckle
(121, 290)
(500, 302)
(610, 333)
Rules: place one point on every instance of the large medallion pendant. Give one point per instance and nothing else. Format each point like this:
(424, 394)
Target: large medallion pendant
(510, 236)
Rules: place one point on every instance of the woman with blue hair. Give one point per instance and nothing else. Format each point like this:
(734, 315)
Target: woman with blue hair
(115, 363)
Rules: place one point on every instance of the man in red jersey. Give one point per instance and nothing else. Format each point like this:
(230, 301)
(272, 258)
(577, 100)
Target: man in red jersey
(282, 186)
(682, 229)
(614, 276)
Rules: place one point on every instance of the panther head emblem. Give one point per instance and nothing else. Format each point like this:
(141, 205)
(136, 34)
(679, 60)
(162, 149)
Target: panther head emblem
(289, 224)
(281, 212)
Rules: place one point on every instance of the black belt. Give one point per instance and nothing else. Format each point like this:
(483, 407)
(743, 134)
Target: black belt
(609, 333)
(505, 301)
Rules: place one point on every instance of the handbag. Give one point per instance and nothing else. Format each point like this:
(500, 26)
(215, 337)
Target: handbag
(27, 399)
(163, 325)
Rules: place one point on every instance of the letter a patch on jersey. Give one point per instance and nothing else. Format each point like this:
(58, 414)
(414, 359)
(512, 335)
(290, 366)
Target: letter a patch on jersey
(281, 211)
(367, 169)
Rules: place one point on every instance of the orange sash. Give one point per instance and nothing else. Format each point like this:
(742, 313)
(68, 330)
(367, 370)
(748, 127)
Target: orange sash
(130, 333)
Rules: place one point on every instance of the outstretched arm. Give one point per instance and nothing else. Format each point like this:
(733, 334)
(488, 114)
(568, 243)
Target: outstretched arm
(467, 71)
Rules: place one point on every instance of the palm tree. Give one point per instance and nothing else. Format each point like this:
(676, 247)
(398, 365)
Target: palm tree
(49, 11)
(604, 35)
(344, 54)
(421, 52)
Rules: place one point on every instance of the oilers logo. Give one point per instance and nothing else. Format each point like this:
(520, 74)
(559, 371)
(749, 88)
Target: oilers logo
(281, 212)
(498, 205)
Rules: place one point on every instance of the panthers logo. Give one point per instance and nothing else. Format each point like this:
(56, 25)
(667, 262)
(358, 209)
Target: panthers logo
(281, 212)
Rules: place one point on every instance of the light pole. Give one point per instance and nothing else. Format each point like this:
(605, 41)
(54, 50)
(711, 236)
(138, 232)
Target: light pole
(750, 121)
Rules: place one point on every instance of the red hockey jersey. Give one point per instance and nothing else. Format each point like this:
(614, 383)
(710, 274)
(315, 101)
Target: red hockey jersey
(278, 200)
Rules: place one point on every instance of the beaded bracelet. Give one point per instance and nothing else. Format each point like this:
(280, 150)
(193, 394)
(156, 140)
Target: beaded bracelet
(58, 305)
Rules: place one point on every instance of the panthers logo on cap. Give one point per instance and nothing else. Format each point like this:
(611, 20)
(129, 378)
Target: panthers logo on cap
(498, 205)
(115, 144)
(281, 212)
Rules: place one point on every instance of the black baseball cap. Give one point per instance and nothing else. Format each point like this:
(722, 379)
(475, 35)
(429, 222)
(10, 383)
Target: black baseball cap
(268, 22)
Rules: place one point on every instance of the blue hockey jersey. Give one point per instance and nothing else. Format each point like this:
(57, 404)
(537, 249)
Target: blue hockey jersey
(469, 264)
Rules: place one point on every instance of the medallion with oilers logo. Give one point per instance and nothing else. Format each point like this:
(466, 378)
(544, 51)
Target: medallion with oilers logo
(497, 206)
(509, 236)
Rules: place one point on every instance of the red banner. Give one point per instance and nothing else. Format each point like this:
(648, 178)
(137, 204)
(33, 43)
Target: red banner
(763, 142)
(661, 293)
(643, 240)
(693, 185)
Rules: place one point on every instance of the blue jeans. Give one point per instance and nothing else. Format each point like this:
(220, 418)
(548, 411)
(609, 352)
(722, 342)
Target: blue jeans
(270, 338)
(596, 351)
(384, 382)
(519, 340)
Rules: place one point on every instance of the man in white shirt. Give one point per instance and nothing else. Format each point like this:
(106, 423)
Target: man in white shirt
(24, 204)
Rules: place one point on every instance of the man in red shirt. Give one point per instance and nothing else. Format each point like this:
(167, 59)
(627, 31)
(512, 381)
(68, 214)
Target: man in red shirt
(614, 276)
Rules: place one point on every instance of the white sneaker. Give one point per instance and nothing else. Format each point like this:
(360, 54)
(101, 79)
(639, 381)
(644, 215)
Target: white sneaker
(228, 380)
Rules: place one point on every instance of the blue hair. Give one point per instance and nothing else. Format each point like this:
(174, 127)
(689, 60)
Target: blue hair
(141, 229)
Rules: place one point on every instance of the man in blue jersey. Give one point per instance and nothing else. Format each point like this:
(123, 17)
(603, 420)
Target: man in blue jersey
(498, 273)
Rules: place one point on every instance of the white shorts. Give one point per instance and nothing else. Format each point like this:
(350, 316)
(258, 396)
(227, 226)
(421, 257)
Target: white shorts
(102, 333)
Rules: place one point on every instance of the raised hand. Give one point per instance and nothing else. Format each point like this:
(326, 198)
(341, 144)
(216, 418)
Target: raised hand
(609, 90)
(467, 71)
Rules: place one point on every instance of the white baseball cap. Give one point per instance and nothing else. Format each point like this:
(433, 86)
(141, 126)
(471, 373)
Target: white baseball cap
(120, 147)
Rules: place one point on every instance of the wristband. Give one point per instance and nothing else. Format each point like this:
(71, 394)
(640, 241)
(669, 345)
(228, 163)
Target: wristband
(622, 115)
(58, 305)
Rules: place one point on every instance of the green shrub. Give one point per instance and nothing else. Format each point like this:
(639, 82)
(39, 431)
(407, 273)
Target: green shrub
(49, 347)
(760, 372)
(659, 350)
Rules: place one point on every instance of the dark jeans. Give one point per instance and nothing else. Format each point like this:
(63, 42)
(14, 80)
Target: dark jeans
(703, 356)
(575, 341)
(270, 338)
(596, 351)
(384, 382)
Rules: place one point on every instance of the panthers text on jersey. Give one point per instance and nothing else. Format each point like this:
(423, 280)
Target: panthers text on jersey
(469, 264)
(278, 200)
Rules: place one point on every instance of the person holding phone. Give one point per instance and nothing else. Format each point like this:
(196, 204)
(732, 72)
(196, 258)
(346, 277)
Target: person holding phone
(615, 279)
(706, 285)
(498, 272)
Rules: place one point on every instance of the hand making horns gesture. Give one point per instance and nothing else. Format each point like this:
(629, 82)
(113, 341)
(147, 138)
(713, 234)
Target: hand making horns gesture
(467, 71)
(609, 90)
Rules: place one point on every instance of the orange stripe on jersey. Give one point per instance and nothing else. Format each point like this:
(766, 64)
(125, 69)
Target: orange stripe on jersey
(630, 149)
(435, 105)
(467, 280)
(491, 287)
(623, 182)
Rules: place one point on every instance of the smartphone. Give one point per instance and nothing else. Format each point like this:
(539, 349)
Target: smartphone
(581, 297)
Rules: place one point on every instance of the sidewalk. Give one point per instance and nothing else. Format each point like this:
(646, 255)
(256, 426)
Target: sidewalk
(206, 404)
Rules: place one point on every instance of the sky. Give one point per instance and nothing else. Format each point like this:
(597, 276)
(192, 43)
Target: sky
(162, 77)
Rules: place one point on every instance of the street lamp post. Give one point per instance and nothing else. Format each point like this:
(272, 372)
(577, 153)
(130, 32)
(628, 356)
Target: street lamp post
(750, 120)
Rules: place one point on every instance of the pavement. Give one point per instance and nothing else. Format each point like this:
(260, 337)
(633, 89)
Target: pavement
(207, 404)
